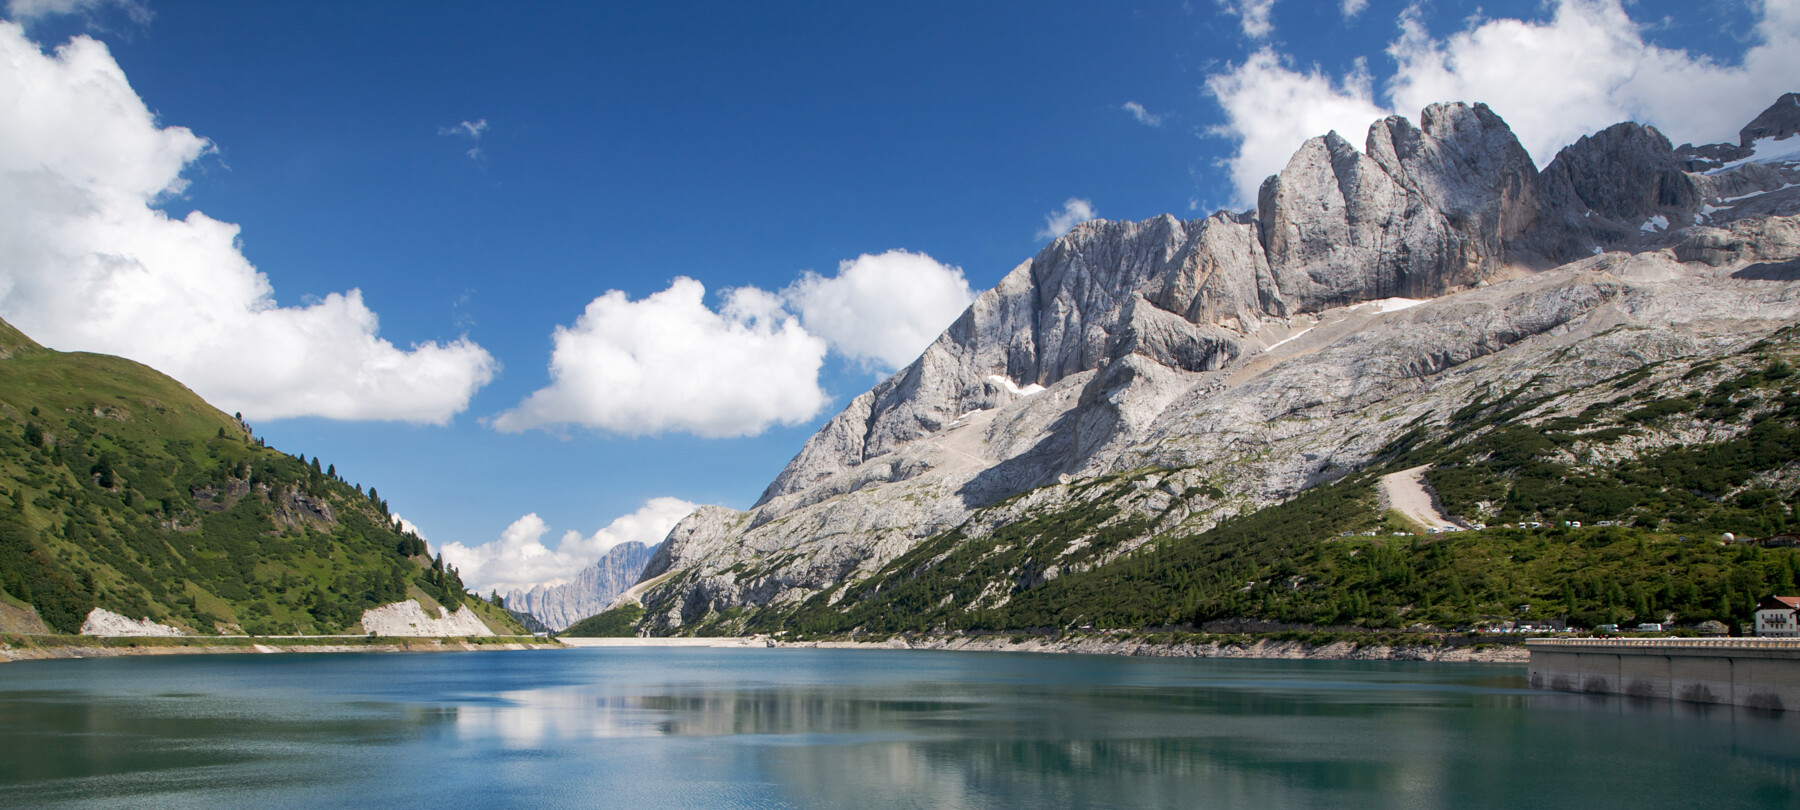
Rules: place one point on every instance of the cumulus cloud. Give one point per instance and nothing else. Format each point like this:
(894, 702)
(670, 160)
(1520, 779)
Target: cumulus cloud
(881, 310)
(88, 263)
(519, 559)
(1253, 15)
(472, 130)
(1586, 67)
(1271, 108)
(668, 362)
(1351, 8)
(1074, 212)
(1142, 115)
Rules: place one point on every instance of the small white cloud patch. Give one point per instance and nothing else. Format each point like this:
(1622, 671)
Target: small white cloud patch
(472, 130)
(881, 310)
(34, 10)
(1253, 15)
(1074, 212)
(1142, 115)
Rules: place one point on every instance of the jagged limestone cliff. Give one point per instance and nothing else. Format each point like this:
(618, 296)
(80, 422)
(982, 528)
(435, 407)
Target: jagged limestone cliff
(559, 606)
(1255, 356)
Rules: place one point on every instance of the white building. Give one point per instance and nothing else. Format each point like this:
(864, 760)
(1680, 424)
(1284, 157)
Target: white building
(1778, 616)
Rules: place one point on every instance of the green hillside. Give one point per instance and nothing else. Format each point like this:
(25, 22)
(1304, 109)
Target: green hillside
(1664, 459)
(120, 488)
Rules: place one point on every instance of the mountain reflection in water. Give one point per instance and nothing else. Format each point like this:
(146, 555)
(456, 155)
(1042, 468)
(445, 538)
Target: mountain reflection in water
(830, 728)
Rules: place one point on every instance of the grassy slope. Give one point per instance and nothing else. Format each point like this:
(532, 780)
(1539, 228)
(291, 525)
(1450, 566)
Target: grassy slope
(122, 489)
(615, 623)
(1520, 457)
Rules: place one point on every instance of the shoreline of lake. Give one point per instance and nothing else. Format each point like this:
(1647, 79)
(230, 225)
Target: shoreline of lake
(31, 648)
(18, 647)
(1138, 646)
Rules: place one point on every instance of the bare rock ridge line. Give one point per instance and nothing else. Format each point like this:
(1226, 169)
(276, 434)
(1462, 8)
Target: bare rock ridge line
(559, 606)
(1257, 354)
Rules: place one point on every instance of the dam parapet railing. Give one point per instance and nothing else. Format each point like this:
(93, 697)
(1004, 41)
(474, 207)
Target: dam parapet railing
(1672, 642)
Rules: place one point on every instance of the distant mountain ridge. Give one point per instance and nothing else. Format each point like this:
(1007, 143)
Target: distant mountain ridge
(1258, 355)
(559, 606)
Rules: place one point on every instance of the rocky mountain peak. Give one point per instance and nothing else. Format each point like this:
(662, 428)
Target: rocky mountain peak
(1779, 121)
(1624, 173)
(1775, 124)
(1249, 352)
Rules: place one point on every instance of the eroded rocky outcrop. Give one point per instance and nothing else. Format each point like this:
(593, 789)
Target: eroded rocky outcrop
(407, 618)
(102, 622)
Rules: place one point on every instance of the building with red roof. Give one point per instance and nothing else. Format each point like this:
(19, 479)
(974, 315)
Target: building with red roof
(1778, 616)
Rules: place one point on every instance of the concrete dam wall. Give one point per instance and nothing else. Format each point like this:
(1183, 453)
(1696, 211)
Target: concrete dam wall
(1758, 673)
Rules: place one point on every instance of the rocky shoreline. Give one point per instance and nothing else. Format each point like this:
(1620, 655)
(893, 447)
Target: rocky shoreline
(1258, 648)
(39, 648)
(29, 648)
(1214, 647)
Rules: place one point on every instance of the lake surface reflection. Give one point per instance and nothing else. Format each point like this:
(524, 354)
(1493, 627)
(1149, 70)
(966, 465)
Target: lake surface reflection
(853, 728)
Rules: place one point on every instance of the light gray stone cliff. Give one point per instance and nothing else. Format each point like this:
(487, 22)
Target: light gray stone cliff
(559, 606)
(1256, 355)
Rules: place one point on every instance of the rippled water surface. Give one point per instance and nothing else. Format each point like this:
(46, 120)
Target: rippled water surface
(854, 728)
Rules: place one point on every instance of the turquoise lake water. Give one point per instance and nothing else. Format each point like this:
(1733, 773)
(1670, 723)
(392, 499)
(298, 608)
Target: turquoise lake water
(743, 728)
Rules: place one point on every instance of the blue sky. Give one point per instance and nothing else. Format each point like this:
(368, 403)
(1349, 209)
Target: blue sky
(483, 172)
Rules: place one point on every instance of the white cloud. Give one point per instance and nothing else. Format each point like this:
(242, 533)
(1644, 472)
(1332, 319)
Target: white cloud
(1142, 115)
(881, 310)
(1253, 15)
(1351, 8)
(472, 130)
(469, 129)
(33, 10)
(86, 262)
(519, 559)
(1585, 68)
(1271, 109)
(669, 363)
(1589, 67)
(1074, 212)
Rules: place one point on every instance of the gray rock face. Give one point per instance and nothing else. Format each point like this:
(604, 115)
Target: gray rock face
(1425, 211)
(1257, 355)
(1779, 121)
(559, 606)
(1467, 164)
(1064, 312)
(1601, 191)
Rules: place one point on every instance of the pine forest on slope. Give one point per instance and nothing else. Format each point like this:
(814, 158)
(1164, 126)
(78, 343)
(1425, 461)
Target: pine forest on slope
(123, 490)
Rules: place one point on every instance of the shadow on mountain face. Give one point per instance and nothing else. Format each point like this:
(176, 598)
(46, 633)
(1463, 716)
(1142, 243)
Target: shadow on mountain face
(1770, 271)
(1036, 467)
